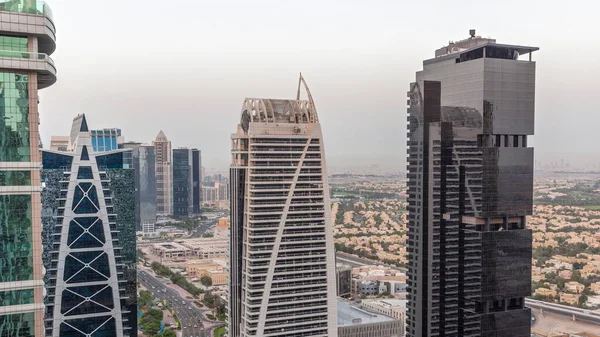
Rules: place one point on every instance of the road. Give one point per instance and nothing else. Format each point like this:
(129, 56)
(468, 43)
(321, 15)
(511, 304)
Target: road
(355, 261)
(189, 314)
(583, 315)
(206, 225)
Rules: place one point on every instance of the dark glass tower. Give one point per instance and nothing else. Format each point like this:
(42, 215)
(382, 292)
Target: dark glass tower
(197, 180)
(183, 192)
(88, 217)
(470, 175)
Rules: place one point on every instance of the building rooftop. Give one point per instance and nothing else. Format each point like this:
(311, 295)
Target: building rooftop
(351, 314)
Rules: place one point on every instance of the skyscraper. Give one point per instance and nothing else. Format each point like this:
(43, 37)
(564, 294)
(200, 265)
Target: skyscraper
(197, 180)
(106, 139)
(282, 264)
(27, 38)
(183, 183)
(470, 189)
(164, 175)
(143, 161)
(89, 240)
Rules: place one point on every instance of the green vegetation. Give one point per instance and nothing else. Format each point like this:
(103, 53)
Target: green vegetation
(582, 195)
(167, 333)
(176, 278)
(150, 322)
(217, 304)
(220, 331)
(592, 208)
(208, 235)
(145, 299)
(206, 280)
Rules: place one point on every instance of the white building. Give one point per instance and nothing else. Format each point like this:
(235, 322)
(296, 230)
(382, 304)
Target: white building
(282, 255)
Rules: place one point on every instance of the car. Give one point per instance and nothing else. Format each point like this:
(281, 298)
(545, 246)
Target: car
(189, 308)
(195, 326)
(182, 302)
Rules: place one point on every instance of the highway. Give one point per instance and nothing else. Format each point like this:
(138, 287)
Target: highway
(189, 314)
(355, 261)
(583, 315)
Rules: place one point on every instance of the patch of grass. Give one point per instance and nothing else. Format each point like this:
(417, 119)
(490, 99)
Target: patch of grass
(592, 208)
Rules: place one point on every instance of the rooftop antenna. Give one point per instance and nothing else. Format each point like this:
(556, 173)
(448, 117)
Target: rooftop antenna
(472, 33)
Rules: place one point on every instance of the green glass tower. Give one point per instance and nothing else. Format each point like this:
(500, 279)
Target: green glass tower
(27, 37)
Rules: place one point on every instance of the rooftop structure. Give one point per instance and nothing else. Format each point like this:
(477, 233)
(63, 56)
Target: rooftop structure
(354, 321)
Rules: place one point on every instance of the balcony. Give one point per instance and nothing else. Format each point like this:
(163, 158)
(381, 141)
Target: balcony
(23, 61)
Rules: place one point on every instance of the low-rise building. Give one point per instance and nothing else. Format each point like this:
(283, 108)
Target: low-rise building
(389, 307)
(200, 268)
(354, 321)
(574, 287)
(572, 299)
(546, 292)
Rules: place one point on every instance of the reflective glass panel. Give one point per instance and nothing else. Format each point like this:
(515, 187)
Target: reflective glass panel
(15, 178)
(16, 262)
(14, 117)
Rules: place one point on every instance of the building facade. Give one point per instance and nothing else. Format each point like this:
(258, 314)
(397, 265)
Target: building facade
(197, 180)
(164, 175)
(470, 173)
(106, 139)
(59, 143)
(143, 161)
(27, 38)
(183, 182)
(89, 240)
(282, 265)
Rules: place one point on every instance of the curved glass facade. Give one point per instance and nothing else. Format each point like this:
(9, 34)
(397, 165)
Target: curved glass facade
(27, 6)
(14, 117)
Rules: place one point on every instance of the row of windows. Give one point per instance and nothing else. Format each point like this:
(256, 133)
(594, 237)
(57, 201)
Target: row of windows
(10, 46)
(21, 325)
(16, 297)
(15, 178)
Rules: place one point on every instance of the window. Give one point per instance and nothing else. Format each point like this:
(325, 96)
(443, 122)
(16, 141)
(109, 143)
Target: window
(12, 46)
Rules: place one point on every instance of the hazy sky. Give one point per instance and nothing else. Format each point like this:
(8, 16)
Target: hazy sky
(186, 66)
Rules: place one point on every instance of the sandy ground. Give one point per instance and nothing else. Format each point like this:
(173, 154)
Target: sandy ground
(557, 323)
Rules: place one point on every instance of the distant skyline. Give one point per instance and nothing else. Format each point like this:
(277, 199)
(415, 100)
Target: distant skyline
(186, 68)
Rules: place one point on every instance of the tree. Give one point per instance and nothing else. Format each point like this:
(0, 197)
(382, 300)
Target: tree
(151, 327)
(145, 299)
(206, 280)
(209, 299)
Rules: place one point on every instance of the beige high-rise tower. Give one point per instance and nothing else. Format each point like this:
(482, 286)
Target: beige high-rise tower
(164, 175)
(282, 261)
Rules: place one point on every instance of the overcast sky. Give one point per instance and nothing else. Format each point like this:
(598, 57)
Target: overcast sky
(186, 66)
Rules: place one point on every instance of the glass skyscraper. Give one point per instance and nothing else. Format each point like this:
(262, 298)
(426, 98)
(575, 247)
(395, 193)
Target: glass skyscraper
(183, 183)
(88, 204)
(197, 180)
(142, 159)
(470, 190)
(282, 261)
(164, 175)
(27, 38)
